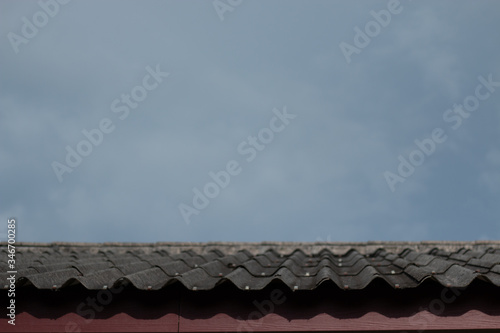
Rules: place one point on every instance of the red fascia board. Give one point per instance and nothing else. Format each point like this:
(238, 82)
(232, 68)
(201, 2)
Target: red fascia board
(370, 322)
(377, 308)
(269, 323)
(431, 307)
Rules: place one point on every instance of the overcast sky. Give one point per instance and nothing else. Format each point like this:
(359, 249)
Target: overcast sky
(115, 118)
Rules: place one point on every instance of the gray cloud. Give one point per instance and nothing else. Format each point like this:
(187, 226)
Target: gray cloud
(322, 176)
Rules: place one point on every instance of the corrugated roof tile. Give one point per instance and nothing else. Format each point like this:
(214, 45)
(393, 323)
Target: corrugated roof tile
(301, 266)
(98, 279)
(148, 279)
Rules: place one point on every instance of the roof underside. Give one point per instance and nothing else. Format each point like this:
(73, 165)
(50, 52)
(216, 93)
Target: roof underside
(253, 266)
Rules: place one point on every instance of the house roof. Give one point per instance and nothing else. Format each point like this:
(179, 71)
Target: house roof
(253, 266)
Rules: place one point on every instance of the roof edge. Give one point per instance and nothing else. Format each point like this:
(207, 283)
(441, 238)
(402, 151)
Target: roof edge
(266, 243)
(281, 247)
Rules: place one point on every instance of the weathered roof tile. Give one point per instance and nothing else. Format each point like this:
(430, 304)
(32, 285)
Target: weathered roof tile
(250, 266)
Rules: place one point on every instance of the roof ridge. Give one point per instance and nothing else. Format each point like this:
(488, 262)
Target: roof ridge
(264, 243)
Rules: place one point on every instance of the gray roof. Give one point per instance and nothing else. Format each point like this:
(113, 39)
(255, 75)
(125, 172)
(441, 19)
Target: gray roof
(252, 266)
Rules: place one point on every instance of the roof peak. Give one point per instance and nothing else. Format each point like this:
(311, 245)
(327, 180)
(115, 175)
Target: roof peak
(281, 247)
